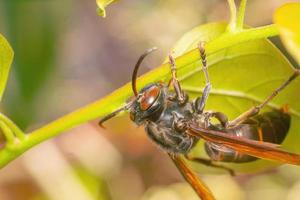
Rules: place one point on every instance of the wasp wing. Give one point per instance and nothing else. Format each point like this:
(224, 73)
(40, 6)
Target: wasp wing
(200, 188)
(254, 148)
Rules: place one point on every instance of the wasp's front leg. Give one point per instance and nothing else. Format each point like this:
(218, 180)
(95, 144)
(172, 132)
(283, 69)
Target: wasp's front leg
(181, 96)
(179, 123)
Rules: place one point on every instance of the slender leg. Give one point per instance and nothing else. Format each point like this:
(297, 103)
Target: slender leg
(199, 187)
(209, 163)
(200, 103)
(114, 113)
(256, 109)
(181, 96)
(221, 117)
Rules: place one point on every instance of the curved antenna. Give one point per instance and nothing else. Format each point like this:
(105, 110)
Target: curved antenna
(136, 68)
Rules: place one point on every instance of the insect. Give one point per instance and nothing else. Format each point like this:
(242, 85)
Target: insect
(176, 124)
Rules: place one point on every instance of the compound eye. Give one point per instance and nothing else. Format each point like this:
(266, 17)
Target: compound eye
(149, 97)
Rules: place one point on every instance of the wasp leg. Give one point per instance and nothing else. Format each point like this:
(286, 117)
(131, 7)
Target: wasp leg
(180, 94)
(256, 109)
(111, 115)
(199, 187)
(169, 83)
(209, 163)
(179, 123)
(200, 102)
(221, 117)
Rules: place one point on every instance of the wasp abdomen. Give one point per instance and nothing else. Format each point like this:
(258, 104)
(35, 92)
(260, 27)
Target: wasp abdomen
(267, 127)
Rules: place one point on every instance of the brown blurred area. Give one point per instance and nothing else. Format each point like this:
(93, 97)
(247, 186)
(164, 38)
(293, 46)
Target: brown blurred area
(92, 56)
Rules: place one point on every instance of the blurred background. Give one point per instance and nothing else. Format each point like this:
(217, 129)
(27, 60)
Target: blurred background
(66, 56)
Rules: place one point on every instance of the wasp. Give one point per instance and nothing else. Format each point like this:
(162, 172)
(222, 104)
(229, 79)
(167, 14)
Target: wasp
(176, 124)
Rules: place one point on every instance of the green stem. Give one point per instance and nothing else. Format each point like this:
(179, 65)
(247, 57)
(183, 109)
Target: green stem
(232, 22)
(231, 39)
(118, 97)
(241, 15)
(9, 136)
(15, 129)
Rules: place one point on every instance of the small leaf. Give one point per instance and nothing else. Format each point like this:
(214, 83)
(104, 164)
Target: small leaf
(287, 18)
(6, 58)
(242, 76)
(102, 4)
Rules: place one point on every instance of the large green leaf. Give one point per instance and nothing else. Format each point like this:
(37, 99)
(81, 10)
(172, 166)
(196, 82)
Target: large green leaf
(241, 76)
(287, 18)
(6, 57)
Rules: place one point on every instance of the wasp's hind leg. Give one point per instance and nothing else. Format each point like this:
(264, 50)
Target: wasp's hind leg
(256, 109)
(200, 102)
(209, 163)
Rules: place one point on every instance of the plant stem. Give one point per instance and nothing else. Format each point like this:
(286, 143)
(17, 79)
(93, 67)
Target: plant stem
(231, 39)
(232, 22)
(118, 97)
(8, 134)
(13, 127)
(241, 15)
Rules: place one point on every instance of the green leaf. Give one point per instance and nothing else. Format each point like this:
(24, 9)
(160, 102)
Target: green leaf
(287, 18)
(241, 76)
(102, 4)
(6, 58)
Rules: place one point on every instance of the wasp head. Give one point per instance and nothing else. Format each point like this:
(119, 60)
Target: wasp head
(149, 104)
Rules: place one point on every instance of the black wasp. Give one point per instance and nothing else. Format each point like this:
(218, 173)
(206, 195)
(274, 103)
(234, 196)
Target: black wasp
(176, 124)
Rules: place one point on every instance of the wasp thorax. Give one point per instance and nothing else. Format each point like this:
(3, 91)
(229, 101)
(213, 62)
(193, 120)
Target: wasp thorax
(148, 104)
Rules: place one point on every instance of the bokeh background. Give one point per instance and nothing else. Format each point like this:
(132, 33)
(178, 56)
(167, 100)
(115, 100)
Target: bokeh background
(66, 56)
